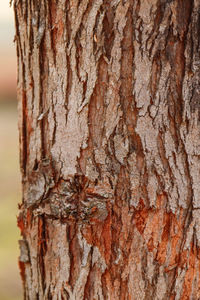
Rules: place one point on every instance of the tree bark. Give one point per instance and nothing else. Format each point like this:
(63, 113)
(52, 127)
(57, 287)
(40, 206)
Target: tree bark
(109, 144)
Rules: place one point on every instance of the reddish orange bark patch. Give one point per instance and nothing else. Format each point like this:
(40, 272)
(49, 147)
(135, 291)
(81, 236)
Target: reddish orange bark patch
(24, 222)
(20, 224)
(29, 127)
(57, 25)
(150, 245)
(29, 218)
(106, 238)
(161, 230)
(40, 229)
(99, 234)
(162, 248)
(53, 11)
(60, 29)
(141, 217)
(42, 235)
(22, 270)
(176, 234)
(191, 270)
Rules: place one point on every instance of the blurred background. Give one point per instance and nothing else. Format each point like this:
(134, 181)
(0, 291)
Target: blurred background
(10, 282)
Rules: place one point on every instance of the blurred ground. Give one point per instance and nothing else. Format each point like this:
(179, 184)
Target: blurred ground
(10, 283)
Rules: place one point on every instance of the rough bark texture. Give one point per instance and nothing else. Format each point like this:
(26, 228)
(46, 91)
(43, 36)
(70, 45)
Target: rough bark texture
(110, 143)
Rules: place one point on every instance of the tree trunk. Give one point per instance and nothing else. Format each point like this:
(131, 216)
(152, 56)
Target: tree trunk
(109, 121)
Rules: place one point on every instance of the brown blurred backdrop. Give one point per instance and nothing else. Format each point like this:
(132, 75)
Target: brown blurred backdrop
(10, 284)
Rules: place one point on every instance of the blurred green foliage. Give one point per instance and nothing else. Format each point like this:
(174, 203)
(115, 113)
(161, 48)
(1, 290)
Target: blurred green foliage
(10, 282)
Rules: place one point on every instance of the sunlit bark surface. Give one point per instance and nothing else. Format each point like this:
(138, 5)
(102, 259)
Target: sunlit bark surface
(109, 112)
